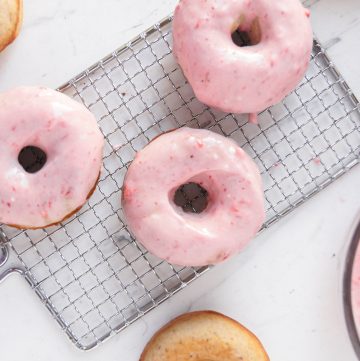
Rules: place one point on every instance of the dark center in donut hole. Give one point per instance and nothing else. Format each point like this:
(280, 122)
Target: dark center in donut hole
(241, 38)
(191, 197)
(249, 37)
(32, 158)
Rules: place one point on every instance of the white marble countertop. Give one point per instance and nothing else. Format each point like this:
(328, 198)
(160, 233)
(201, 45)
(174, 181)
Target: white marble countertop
(285, 287)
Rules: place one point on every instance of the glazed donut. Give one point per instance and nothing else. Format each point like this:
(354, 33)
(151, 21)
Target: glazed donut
(50, 156)
(11, 15)
(242, 79)
(204, 336)
(234, 211)
(354, 282)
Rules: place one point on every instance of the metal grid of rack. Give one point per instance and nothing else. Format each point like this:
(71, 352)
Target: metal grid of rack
(90, 273)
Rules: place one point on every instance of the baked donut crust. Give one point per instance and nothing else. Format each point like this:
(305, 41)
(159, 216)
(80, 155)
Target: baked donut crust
(11, 16)
(66, 217)
(204, 336)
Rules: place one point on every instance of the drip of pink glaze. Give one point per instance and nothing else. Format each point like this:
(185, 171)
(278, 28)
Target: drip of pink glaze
(69, 135)
(253, 118)
(307, 12)
(250, 78)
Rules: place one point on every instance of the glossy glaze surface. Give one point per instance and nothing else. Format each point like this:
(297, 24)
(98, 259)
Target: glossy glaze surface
(69, 135)
(235, 208)
(242, 79)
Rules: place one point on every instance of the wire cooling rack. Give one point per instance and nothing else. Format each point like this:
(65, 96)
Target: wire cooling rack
(89, 272)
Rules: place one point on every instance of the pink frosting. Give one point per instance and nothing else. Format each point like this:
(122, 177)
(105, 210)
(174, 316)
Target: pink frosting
(242, 79)
(68, 133)
(355, 288)
(235, 211)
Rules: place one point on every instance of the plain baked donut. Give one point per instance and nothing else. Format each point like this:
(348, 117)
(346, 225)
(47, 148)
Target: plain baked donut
(11, 15)
(235, 209)
(69, 136)
(244, 79)
(204, 336)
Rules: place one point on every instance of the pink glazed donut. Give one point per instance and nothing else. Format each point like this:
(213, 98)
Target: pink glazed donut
(40, 126)
(240, 78)
(235, 205)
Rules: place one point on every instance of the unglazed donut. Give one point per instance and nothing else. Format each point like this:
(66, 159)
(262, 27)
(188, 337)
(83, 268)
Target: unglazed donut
(11, 15)
(235, 209)
(245, 79)
(204, 336)
(68, 135)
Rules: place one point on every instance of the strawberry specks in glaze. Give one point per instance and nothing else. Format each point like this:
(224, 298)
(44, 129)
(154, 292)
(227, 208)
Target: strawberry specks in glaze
(68, 192)
(201, 49)
(235, 208)
(35, 200)
(207, 78)
(221, 257)
(127, 193)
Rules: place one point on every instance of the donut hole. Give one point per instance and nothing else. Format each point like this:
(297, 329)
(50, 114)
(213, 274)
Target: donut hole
(241, 38)
(247, 37)
(191, 197)
(32, 158)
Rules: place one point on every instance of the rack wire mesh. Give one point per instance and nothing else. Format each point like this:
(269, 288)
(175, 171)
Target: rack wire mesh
(94, 278)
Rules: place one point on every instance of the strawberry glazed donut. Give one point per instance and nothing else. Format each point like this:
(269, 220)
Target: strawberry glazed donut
(242, 56)
(160, 211)
(50, 157)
